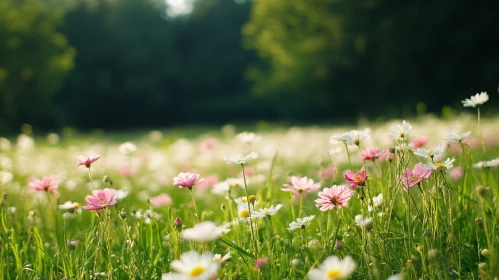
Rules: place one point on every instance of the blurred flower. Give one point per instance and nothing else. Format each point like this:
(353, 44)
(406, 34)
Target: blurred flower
(240, 159)
(475, 100)
(361, 222)
(376, 202)
(429, 152)
(370, 154)
(248, 137)
(355, 179)
(72, 207)
(259, 263)
(353, 137)
(4, 144)
(100, 199)
(47, 184)
(301, 185)
(155, 136)
(487, 164)
(209, 144)
(207, 183)
(456, 173)
(411, 178)
(161, 200)
(193, 265)
(447, 164)
(336, 196)
(126, 171)
(52, 138)
(398, 276)
(87, 162)
(25, 143)
(333, 268)
(120, 194)
(266, 212)
(327, 172)
(300, 223)
(186, 180)
(419, 142)
(228, 185)
(5, 177)
(219, 259)
(457, 138)
(400, 131)
(127, 148)
(203, 232)
(385, 156)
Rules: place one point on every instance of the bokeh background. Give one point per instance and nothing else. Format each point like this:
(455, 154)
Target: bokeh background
(116, 64)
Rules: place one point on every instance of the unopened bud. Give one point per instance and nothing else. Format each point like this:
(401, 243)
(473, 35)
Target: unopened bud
(252, 199)
(178, 224)
(482, 266)
(433, 254)
(485, 253)
(107, 180)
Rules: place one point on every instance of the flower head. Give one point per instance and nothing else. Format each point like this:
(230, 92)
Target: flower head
(300, 223)
(186, 180)
(259, 263)
(218, 257)
(475, 100)
(431, 153)
(240, 159)
(419, 142)
(363, 222)
(46, 184)
(370, 154)
(447, 164)
(100, 199)
(411, 178)
(248, 137)
(72, 207)
(127, 148)
(487, 164)
(336, 196)
(456, 137)
(87, 162)
(456, 173)
(266, 212)
(400, 131)
(355, 179)
(333, 268)
(327, 172)
(301, 185)
(203, 232)
(161, 200)
(193, 265)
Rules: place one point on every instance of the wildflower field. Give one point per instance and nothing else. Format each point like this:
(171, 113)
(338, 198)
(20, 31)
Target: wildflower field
(404, 199)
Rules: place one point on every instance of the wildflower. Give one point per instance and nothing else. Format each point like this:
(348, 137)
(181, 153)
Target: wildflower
(411, 178)
(336, 196)
(447, 164)
(126, 171)
(219, 259)
(400, 131)
(475, 100)
(259, 263)
(87, 162)
(203, 232)
(72, 207)
(4, 144)
(127, 148)
(376, 202)
(300, 223)
(419, 142)
(248, 137)
(47, 184)
(456, 173)
(177, 223)
(333, 268)
(193, 265)
(52, 138)
(355, 179)
(5, 177)
(120, 194)
(314, 243)
(240, 159)
(228, 185)
(301, 185)
(456, 137)
(100, 199)
(487, 164)
(25, 143)
(327, 172)
(431, 153)
(386, 156)
(370, 154)
(361, 222)
(271, 211)
(186, 180)
(161, 200)
(207, 182)
(353, 137)
(398, 276)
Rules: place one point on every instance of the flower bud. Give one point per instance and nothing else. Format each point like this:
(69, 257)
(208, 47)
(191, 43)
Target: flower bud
(482, 266)
(107, 180)
(178, 224)
(485, 253)
(433, 254)
(297, 262)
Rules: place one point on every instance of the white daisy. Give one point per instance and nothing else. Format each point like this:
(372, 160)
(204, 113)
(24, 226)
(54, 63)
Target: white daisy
(300, 223)
(400, 131)
(127, 148)
(456, 137)
(486, 164)
(248, 137)
(429, 152)
(219, 259)
(229, 184)
(360, 221)
(240, 159)
(192, 265)
(203, 232)
(447, 164)
(333, 268)
(475, 100)
(272, 210)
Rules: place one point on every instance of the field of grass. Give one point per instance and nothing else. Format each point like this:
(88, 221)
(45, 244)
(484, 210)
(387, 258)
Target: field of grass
(359, 214)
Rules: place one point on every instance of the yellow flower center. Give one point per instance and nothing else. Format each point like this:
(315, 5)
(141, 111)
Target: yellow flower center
(75, 205)
(430, 152)
(401, 134)
(332, 274)
(197, 271)
(440, 166)
(244, 213)
(414, 179)
(357, 142)
(102, 202)
(267, 212)
(358, 179)
(233, 186)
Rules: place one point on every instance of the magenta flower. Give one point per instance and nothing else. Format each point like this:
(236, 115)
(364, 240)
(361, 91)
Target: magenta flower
(161, 200)
(355, 179)
(301, 185)
(259, 263)
(419, 142)
(82, 160)
(370, 154)
(47, 184)
(411, 178)
(100, 199)
(336, 196)
(187, 179)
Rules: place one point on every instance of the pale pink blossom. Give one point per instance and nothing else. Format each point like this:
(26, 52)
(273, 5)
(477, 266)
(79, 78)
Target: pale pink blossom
(100, 199)
(209, 144)
(126, 171)
(161, 200)
(248, 171)
(301, 185)
(82, 160)
(386, 156)
(207, 183)
(260, 262)
(419, 142)
(187, 179)
(336, 196)
(327, 172)
(370, 154)
(456, 173)
(46, 184)
(355, 179)
(411, 178)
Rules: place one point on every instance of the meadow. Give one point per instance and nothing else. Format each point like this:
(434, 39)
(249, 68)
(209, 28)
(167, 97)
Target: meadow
(402, 199)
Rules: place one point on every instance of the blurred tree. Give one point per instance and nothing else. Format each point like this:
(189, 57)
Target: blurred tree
(35, 58)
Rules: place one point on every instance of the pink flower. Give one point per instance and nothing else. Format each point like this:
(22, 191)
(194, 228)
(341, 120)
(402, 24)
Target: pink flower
(456, 173)
(209, 144)
(248, 171)
(82, 160)
(419, 142)
(336, 196)
(301, 185)
(355, 179)
(411, 178)
(161, 200)
(47, 184)
(260, 262)
(370, 154)
(126, 171)
(386, 156)
(100, 199)
(207, 182)
(186, 180)
(327, 172)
